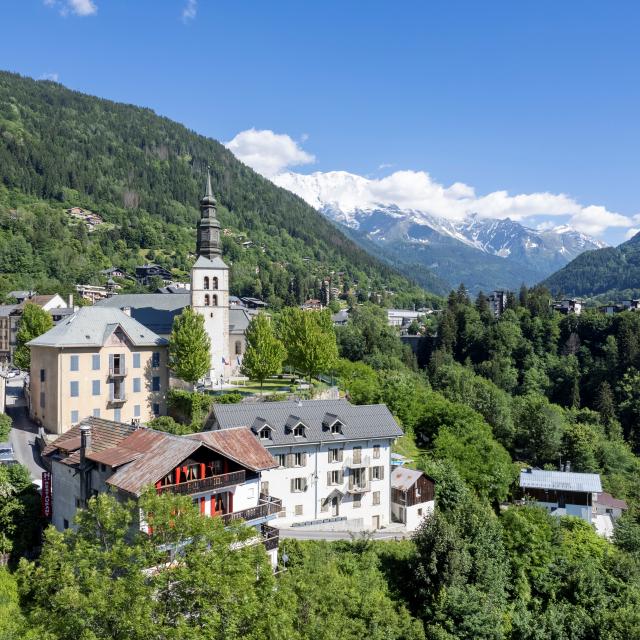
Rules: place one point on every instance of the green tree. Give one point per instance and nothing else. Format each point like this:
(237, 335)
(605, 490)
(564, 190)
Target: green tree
(264, 354)
(34, 322)
(189, 347)
(309, 339)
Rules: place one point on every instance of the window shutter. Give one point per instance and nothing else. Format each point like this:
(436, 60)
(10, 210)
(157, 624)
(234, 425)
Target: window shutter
(293, 486)
(370, 473)
(340, 454)
(122, 362)
(110, 361)
(341, 475)
(328, 477)
(289, 460)
(111, 391)
(381, 473)
(304, 484)
(304, 459)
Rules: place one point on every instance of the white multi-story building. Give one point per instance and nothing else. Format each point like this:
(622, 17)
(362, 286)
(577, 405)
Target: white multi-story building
(333, 458)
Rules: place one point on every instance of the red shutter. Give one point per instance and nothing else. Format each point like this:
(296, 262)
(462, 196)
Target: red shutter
(202, 470)
(230, 509)
(177, 475)
(202, 503)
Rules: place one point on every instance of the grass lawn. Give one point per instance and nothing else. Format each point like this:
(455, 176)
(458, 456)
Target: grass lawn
(270, 385)
(406, 446)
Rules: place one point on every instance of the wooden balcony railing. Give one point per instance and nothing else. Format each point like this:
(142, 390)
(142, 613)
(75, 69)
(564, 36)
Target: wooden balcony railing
(269, 507)
(205, 484)
(270, 537)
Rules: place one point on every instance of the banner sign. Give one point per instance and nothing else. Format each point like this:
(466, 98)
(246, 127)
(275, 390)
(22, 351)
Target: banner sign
(46, 495)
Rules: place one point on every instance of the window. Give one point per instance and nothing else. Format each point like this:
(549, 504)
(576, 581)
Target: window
(334, 477)
(155, 383)
(95, 362)
(156, 409)
(376, 497)
(298, 432)
(65, 523)
(136, 360)
(136, 410)
(43, 375)
(265, 433)
(206, 282)
(264, 488)
(357, 500)
(299, 459)
(136, 385)
(42, 400)
(335, 455)
(214, 301)
(420, 511)
(103, 467)
(96, 413)
(215, 283)
(281, 459)
(74, 417)
(75, 364)
(336, 427)
(155, 359)
(74, 388)
(299, 509)
(238, 348)
(117, 414)
(95, 387)
(207, 300)
(377, 473)
(376, 451)
(298, 485)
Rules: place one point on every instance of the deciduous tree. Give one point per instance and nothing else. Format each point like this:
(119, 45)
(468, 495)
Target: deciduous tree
(189, 347)
(34, 322)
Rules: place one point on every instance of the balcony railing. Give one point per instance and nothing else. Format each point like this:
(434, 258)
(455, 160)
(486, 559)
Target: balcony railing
(205, 484)
(265, 508)
(270, 537)
(118, 371)
(357, 462)
(358, 486)
(119, 399)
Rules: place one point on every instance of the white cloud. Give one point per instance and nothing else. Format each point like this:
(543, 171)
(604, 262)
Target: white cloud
(271, 154)
(268, 152)
(76, 7)
(49, 76)
(189, 11)
(632, 232)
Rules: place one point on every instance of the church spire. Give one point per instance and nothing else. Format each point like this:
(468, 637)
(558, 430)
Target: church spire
(208, 243)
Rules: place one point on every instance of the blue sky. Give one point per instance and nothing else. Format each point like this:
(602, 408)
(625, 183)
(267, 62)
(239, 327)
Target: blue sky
(539, 97)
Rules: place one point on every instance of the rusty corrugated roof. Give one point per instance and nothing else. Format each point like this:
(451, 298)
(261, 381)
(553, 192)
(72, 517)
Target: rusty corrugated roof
(240, 445)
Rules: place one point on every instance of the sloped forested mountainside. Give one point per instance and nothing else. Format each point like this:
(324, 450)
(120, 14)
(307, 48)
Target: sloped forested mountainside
(612, 271)
(143, 175)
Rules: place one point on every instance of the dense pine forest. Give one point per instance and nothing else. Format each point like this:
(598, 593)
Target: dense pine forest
(609, 275)
(144, 174)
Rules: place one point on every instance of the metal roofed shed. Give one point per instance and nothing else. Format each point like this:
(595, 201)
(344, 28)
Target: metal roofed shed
(404, 479)
(560, 481)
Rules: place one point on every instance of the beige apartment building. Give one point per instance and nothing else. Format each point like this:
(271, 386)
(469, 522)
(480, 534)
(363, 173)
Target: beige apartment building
(99, 362)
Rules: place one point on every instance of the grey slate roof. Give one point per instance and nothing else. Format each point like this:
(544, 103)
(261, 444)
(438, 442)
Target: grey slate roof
(239, 319)
(8, 309)
(92, 326)
(154, 310)
(360, 422)
(560, 481)
(205, 263)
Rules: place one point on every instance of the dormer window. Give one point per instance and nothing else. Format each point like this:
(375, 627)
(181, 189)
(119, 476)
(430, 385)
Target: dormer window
(265, 433)
(298, 431)
(336, 428)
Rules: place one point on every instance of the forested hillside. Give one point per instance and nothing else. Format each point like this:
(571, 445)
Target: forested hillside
(143, 174)
(610, 273)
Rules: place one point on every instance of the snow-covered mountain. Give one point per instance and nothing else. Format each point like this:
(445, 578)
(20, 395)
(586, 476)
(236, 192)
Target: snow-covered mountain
(524, 254)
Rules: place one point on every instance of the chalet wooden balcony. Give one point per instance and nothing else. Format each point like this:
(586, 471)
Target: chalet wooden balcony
(270, 537)
(267, 506)
(205, 484)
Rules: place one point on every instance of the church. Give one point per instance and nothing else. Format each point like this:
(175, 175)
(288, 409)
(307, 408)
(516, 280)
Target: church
(225, 318)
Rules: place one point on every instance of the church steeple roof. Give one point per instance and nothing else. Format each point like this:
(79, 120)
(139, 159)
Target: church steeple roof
(208, 244)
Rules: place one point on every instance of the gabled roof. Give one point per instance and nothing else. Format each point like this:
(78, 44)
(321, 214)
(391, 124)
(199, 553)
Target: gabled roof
(239, 445)
(359, 421)
(92, 326)
(205, 263)
(404, 479)
(560, 481)
(607, 500)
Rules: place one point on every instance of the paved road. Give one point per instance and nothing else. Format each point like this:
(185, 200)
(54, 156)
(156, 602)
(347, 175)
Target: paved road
(306, 533)
(24, 431)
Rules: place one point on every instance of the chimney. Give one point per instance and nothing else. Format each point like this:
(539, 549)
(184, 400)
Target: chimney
(70, 302)
(126, 310)
(85, 468)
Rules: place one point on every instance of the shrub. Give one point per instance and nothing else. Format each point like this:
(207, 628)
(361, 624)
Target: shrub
(5, 426)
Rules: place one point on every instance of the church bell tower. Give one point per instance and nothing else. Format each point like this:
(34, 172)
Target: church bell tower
(210, 287)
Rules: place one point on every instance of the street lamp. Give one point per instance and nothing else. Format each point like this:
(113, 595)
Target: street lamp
(221, 379)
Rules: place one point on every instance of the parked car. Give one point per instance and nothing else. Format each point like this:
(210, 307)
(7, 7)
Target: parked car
(6, 454)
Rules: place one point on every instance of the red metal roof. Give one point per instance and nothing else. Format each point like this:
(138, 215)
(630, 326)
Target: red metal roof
(607, 500)
(240, 445)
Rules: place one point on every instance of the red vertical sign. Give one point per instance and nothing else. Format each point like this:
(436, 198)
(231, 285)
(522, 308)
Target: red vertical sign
(46, 495)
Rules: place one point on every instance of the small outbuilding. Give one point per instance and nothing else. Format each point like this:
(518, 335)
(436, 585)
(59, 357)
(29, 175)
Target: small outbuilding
(412, 496)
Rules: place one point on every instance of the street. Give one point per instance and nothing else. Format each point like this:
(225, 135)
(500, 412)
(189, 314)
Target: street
(24, 431)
